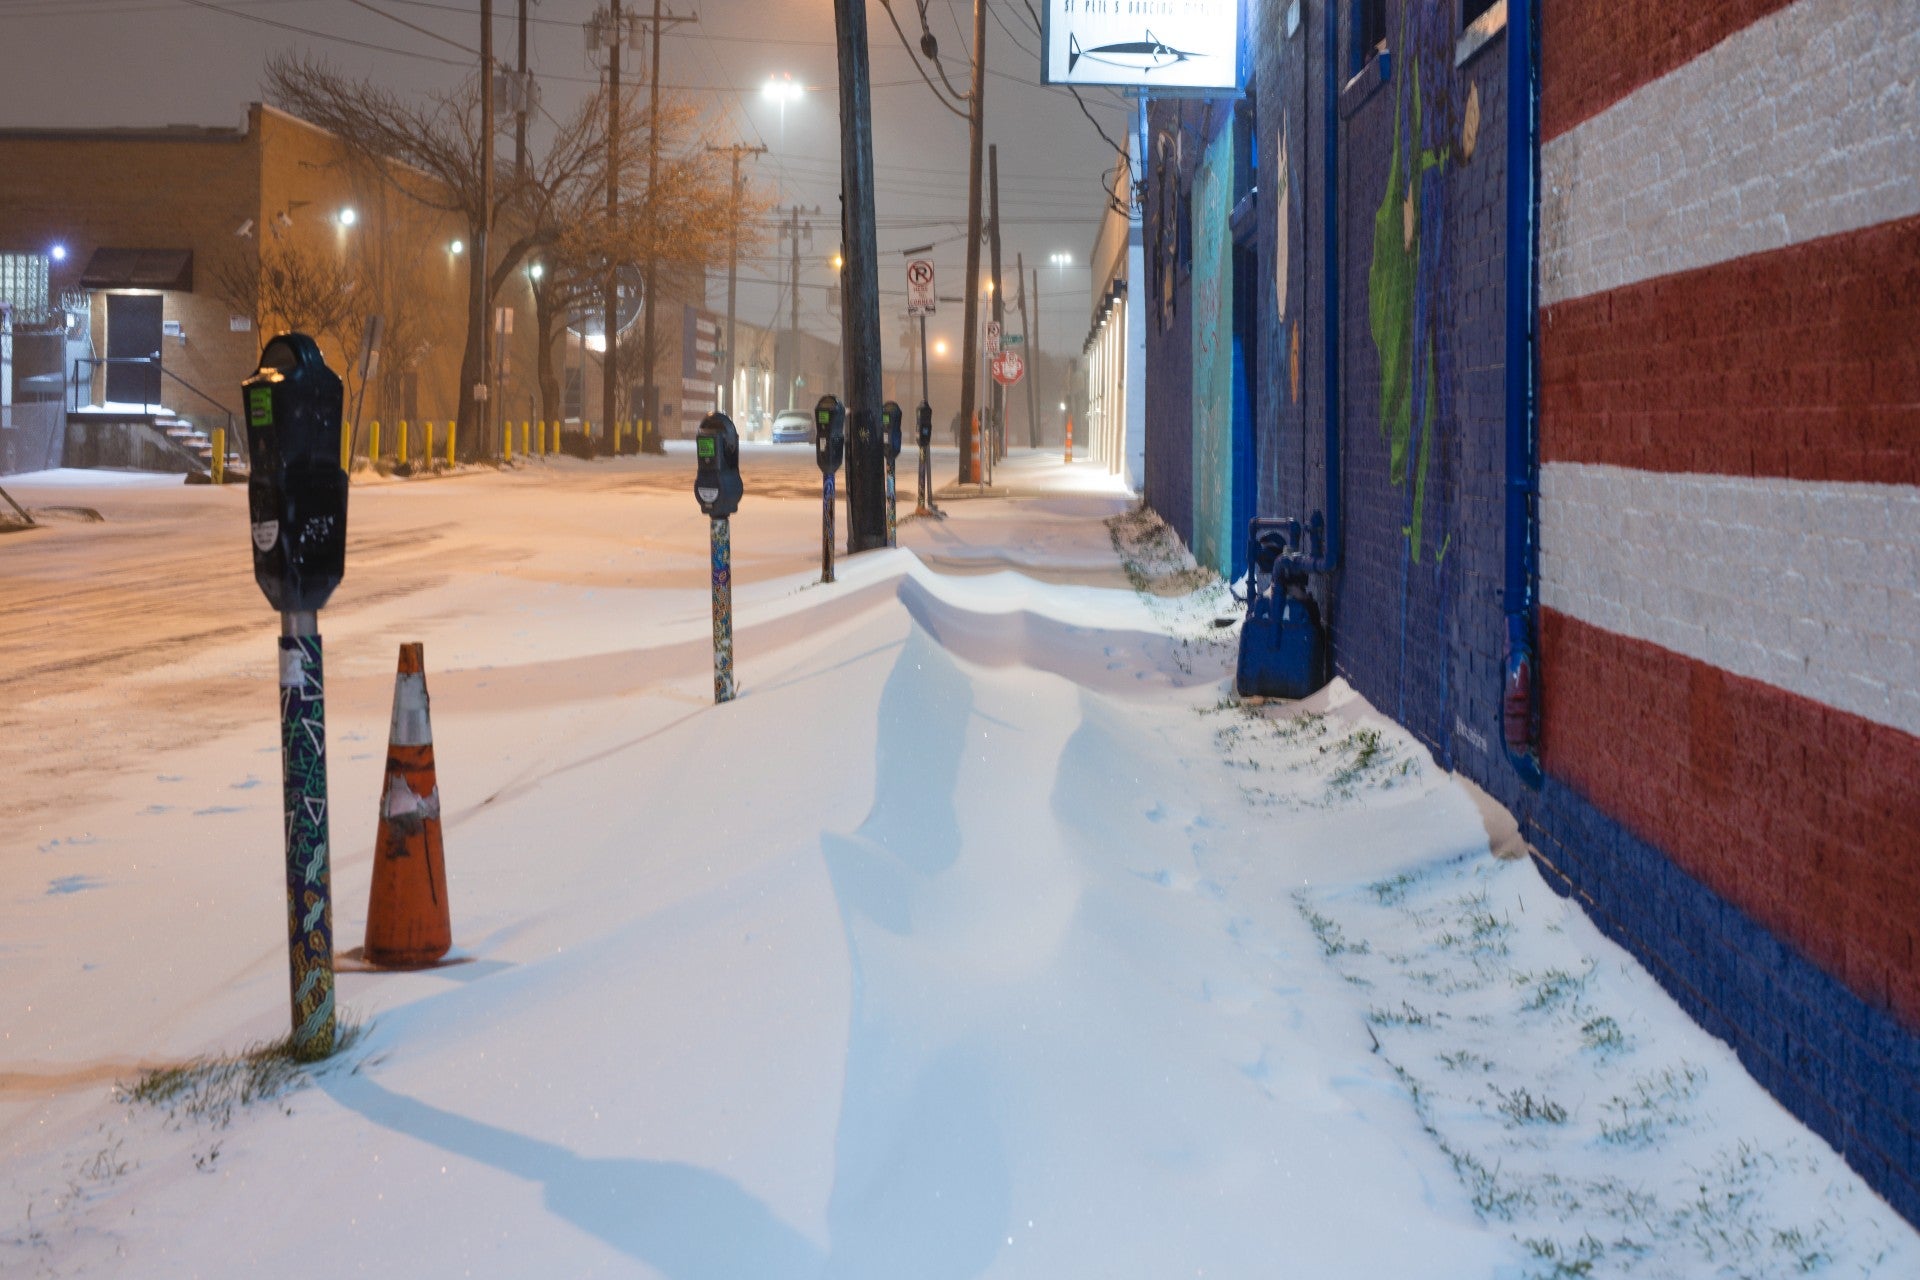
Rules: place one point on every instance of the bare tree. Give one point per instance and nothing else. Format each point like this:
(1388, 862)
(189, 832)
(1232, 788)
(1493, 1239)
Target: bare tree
(430, 148)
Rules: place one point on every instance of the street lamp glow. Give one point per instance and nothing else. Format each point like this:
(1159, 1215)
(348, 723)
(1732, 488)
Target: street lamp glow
(940, 347)
(781, 89)
(58, 253)
(457, 247)
(536, 270)
(1062, 259)
(839, 261)
(348, 217)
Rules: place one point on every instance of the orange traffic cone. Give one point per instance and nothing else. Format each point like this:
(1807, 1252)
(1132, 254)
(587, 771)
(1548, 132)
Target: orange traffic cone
(408, 926)
(1069, 457)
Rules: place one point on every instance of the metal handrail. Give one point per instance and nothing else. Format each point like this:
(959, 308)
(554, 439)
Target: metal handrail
(234, 440)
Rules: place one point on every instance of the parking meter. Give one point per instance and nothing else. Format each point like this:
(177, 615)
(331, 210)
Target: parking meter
(297, 493)
(716, 479)
(297, 502)
(923, 424)
(890, 428)
(829, 434)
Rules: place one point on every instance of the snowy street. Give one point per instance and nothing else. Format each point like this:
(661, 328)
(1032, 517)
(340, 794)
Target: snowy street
(986, 934)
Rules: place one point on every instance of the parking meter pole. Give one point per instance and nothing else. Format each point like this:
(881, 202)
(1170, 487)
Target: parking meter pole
(718, 488)
(303, 780)
(893, 526)
(722, 538)
(826, 527)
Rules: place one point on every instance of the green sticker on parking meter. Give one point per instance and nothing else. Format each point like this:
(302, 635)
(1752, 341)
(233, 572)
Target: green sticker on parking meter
(260, 406)
(706, 448)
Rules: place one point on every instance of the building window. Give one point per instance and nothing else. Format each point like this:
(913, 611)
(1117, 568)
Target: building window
(1369, 31)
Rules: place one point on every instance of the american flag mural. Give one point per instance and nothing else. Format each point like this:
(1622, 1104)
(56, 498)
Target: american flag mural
(1730, 455)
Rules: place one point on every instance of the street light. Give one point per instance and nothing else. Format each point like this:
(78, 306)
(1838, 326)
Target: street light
(1062, 259)
(457, 247)
(536, 270)
(347, 217)
(782, 89)
(58, 253)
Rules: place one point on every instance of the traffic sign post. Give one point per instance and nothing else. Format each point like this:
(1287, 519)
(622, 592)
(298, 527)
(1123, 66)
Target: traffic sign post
(1008, 367)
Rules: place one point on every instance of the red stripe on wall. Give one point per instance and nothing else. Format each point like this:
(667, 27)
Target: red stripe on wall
(1595, 52)
(1806, 818)
(1799, 362)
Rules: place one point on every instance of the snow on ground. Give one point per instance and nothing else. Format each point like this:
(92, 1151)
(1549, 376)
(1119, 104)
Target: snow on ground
(985, 934)
(91, 478)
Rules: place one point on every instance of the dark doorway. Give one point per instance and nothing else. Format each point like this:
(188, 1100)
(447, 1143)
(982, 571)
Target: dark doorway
(133, 333)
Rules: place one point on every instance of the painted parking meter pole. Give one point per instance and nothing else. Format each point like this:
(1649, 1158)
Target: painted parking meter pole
(829, 447)
(717, 487)
(890, 442)
(923, 435)
(297, 502)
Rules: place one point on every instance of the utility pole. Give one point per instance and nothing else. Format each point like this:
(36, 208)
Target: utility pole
(523, 101)
(997, 442)
(970, 343)
(1033, 363)
(1026, 337)
(610, 288)
(860, 287)
(793, 314)
(650, 437)
(482, 267)
(737, 151)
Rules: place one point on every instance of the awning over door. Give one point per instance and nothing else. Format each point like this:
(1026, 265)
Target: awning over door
(139, 269)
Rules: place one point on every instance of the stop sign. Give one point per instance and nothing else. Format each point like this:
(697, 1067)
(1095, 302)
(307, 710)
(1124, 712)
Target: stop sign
(1008, 368)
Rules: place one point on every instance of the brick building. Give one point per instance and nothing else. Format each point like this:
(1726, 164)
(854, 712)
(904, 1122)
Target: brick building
(159, 258)
(1650, 418)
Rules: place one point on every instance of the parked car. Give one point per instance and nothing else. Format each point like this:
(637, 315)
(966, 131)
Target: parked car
(793, 426)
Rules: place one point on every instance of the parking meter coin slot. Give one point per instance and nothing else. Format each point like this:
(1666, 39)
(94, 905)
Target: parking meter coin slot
(296, 493)
(716, 481)
(829, 434)
(923, 423)
(890, 427)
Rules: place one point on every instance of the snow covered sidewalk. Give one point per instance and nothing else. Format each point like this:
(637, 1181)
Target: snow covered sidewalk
(984, 935)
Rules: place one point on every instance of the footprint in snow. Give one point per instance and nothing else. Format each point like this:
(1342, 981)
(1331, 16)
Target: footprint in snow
(157, 809)
(245, 784)
(170, 777)
(1158, 813)
(71, 884)
(69, 841)
(215, 810)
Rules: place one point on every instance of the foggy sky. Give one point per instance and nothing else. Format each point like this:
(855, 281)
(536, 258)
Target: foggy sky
(153, 62)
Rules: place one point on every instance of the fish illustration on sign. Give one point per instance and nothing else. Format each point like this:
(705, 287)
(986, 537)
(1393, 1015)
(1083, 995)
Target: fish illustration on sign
(1149, 54)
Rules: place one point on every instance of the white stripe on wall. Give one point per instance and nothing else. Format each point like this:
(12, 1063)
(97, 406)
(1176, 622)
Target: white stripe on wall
(1805, 124)
(1813, 587)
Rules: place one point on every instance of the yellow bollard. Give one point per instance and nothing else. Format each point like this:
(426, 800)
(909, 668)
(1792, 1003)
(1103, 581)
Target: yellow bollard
(543, 437)
(453, 427)
(506, 437)
(346, 446)
(373, 441)
(523, 438)
(429, 453)
(218, 459)
(400, 444)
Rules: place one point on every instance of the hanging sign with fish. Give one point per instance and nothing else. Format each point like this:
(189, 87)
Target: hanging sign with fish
(1158, 45)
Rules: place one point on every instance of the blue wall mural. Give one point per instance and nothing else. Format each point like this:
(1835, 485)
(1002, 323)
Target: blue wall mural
(1213, 437)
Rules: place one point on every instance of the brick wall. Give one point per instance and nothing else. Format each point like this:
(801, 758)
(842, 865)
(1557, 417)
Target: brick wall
(1728, 500)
